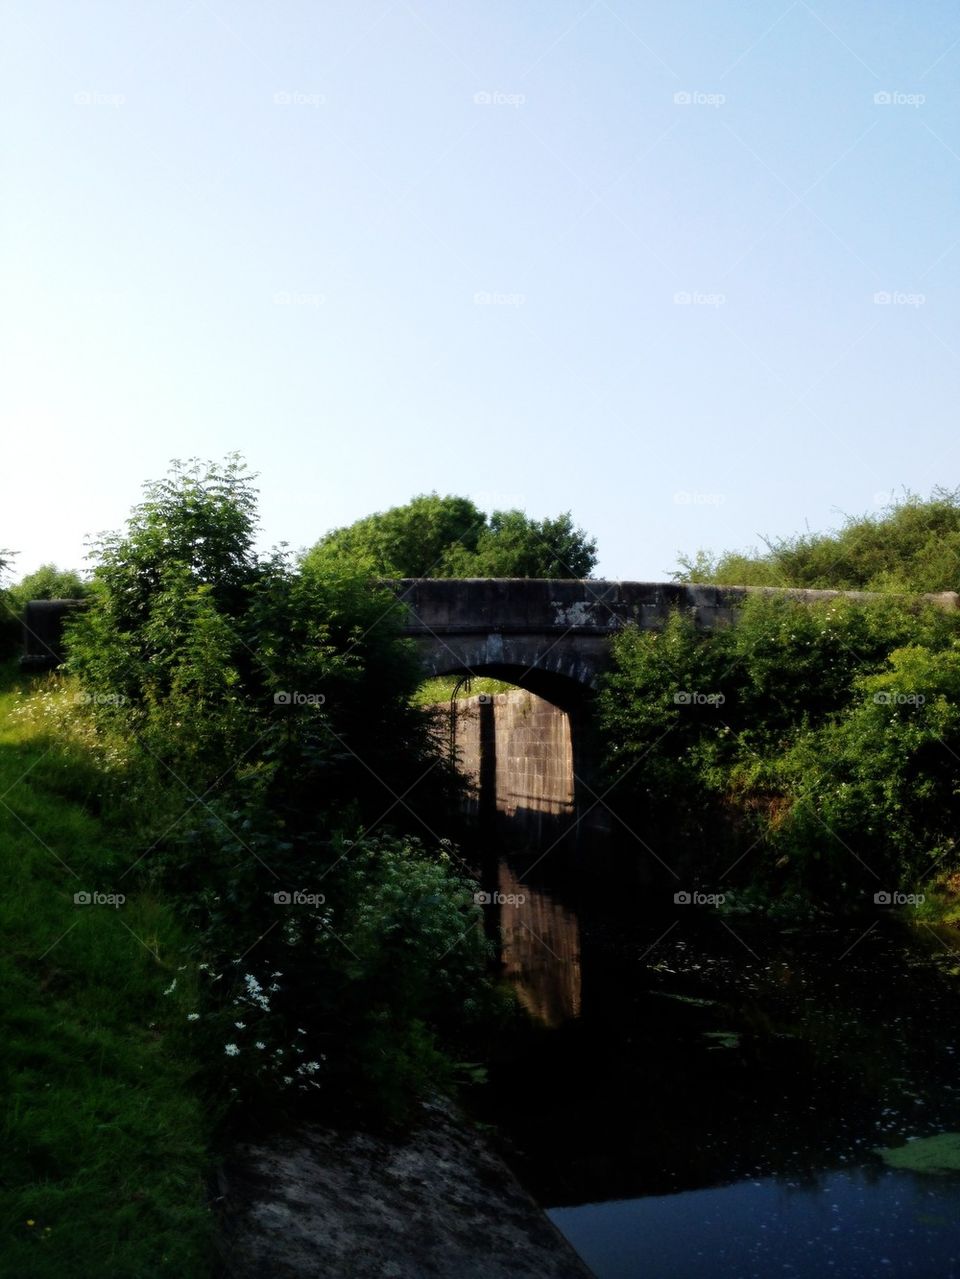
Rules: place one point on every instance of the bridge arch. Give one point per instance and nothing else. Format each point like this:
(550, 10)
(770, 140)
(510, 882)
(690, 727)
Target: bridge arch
(556, 686)
(530, 762)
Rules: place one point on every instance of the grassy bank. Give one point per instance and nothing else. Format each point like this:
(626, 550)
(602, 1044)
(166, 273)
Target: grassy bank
(433, 692)
(105, 1144)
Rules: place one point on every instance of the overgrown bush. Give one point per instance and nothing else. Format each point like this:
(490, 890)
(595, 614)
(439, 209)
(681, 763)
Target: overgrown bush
(912, 544)
(256, 725)
(812, 747)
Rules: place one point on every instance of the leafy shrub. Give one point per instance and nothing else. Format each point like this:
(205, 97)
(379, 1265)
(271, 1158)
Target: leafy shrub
(256, 725)
(910, 545)
(821, 739)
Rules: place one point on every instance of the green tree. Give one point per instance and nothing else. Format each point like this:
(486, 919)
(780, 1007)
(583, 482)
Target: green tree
(48, 583)
(415, 540)
(514, 545)
(450, 537)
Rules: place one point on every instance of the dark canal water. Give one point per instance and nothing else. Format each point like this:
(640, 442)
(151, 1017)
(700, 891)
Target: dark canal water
(703, 1094)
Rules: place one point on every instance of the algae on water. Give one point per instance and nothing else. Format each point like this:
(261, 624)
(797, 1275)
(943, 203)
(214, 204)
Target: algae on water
(723, 1038)
(938, 1155)
(685, 999)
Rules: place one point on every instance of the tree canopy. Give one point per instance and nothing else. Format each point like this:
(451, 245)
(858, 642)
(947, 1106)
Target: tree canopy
(48, 583)
(433, 536)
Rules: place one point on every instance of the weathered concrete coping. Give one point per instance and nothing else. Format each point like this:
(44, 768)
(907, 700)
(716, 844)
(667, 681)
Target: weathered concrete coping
(535, 605)
(517, 606)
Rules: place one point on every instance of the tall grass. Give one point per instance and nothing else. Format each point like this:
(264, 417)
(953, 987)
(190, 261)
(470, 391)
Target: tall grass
(105, 1144)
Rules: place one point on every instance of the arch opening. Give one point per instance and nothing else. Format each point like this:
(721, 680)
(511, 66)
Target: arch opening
(517, 747)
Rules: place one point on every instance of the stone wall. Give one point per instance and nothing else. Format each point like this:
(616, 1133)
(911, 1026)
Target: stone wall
(516, 749)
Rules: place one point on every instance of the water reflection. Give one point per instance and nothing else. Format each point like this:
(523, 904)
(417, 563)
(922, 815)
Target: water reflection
(850, 1224)
(540, 949)
(703, 1099)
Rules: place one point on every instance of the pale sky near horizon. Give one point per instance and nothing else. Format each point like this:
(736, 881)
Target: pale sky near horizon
(689, 271)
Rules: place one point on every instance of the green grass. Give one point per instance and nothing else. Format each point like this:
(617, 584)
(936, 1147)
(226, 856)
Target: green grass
(440, 689)
(105, 1142)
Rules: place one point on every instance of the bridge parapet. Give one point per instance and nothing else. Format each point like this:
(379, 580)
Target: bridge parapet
(583, 607)
(567, 622)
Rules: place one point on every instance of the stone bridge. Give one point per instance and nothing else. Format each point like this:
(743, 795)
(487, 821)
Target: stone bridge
(533, 762)
(533, 765)
(553, 636)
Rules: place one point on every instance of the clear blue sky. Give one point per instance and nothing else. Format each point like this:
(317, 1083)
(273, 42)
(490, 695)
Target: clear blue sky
(296, 230)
